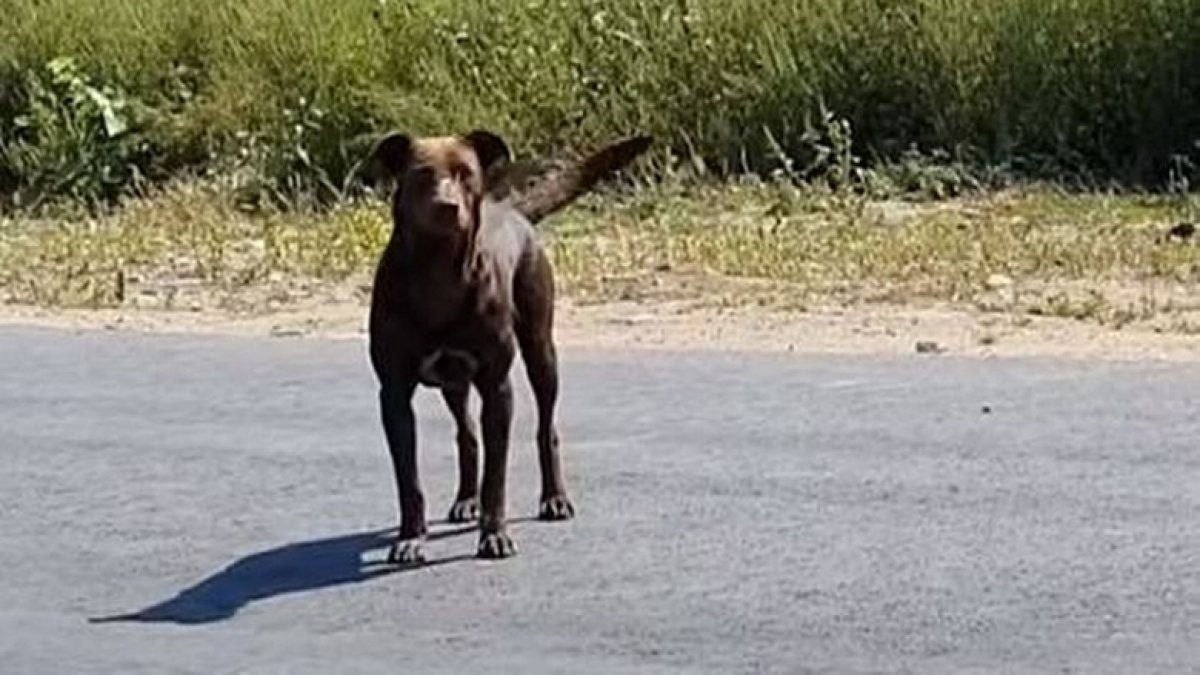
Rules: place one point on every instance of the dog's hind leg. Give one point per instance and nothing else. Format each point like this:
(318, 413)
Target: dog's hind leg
(534, 329)
(466, 503)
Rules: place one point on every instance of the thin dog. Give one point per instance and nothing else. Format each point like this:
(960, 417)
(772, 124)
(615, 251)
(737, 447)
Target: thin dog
(461, 285)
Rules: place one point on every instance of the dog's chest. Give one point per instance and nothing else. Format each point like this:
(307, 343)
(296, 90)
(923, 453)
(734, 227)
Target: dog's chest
(453, 353)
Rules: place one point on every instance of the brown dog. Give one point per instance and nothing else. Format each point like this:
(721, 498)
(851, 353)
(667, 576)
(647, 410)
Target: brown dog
(461, 284)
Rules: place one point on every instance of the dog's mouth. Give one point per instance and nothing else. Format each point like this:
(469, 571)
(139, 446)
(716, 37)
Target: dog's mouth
(439, 220)
(446, 215)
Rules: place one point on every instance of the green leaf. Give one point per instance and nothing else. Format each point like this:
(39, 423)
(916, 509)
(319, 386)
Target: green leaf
(114, 124)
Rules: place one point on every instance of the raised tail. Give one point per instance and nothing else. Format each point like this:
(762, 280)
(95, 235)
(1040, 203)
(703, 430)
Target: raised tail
(563, 185)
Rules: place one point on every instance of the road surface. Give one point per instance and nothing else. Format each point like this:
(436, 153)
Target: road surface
(210, 505)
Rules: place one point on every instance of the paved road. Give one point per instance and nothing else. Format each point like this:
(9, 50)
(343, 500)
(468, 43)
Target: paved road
(737, 515)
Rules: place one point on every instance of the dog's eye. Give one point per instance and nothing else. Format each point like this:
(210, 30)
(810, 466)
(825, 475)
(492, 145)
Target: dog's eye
(460, 173)
(420, 176)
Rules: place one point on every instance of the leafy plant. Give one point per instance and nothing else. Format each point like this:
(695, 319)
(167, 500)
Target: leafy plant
(77, 140)
(269, 91)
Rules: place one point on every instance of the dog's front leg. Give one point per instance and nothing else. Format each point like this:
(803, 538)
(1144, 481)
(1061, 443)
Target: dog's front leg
(496, 418)
(466, 503)
(399, 424)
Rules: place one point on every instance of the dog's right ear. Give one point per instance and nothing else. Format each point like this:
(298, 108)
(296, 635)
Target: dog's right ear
(388, 158)
(489, 148)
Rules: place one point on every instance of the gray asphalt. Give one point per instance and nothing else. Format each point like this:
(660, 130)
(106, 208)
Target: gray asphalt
(221, 505)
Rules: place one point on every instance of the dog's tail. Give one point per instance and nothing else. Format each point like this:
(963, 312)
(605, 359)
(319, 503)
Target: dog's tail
(562, 186)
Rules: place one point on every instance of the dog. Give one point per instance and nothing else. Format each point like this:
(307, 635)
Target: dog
(462, 284)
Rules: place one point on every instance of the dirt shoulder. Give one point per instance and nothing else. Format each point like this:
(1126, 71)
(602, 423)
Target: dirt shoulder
(868, 329)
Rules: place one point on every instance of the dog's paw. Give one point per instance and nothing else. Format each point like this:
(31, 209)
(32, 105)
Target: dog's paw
(496, 545)
(558, 507)
(407, 552)
(464, 510)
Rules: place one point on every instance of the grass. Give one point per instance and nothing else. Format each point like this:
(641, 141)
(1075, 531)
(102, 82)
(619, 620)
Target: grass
(1027, 251)
(98, 96)
(1034, 250)
(184, 236)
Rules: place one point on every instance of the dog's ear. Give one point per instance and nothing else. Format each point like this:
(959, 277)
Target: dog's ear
(389, 157)
(490, 148)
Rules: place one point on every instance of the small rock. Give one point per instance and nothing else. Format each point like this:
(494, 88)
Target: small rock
(929, 347)
(986, 410)
(892, 213)
(998, 281)
(635, 320)
(286, 332)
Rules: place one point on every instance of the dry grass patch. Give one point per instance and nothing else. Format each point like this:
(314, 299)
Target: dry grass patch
(1036, 251)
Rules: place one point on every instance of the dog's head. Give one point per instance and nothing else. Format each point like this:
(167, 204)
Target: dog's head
(439, 182)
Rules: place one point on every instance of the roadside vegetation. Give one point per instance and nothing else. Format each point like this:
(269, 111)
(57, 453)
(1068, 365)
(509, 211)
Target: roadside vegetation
(1020, 156)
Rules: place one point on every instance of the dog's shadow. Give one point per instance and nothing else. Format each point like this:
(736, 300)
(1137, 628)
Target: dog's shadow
(294, 568)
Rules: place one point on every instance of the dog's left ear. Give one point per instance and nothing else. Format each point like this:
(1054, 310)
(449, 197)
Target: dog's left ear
(490, 148)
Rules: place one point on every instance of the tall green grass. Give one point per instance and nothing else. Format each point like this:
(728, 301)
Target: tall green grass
(277, 94)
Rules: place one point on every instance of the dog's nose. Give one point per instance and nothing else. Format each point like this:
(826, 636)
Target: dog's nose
(447, 191)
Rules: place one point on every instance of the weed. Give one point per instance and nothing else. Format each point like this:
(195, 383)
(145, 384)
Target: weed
(78, 140)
